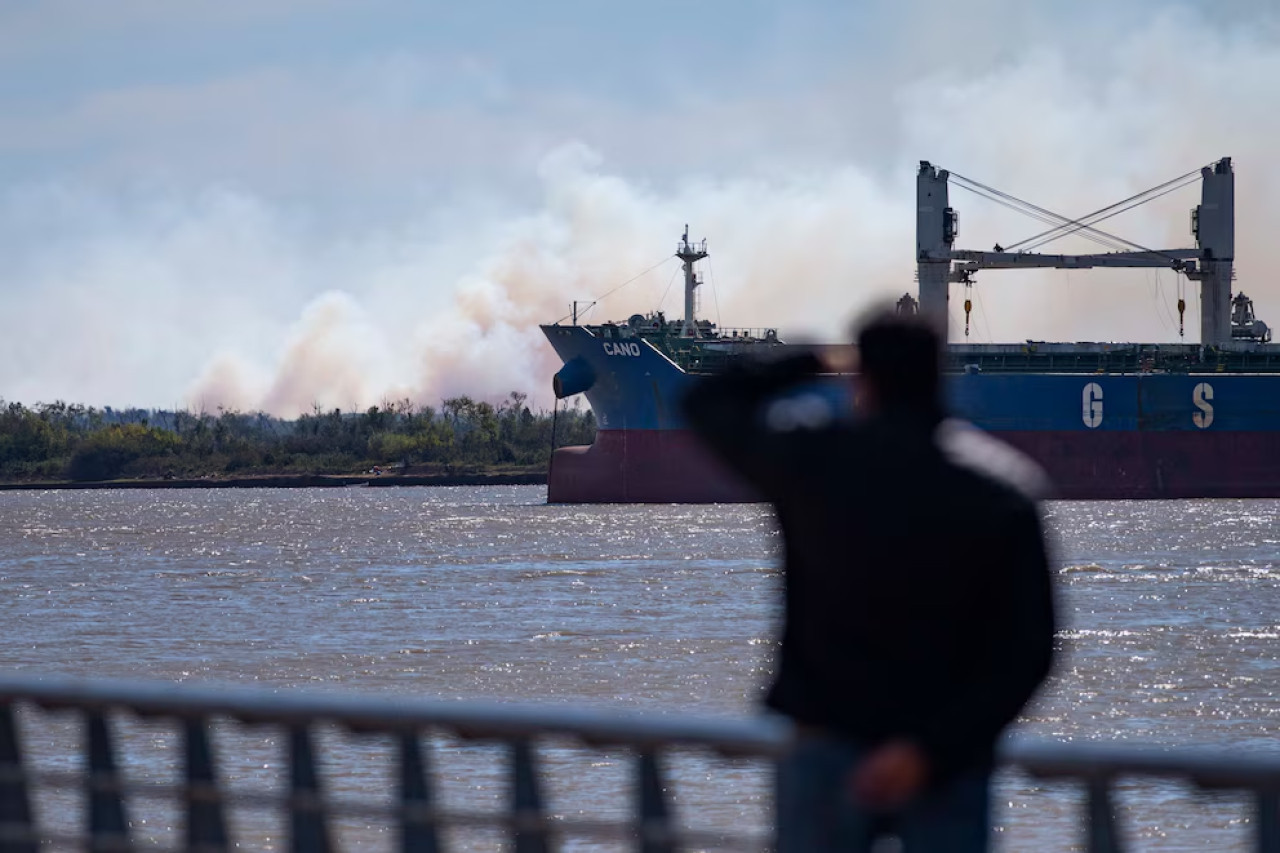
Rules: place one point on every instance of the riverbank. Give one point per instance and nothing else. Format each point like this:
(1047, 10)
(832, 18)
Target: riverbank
(295, 481)
(463, 442)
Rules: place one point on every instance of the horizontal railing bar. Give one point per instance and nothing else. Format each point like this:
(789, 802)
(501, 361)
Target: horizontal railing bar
(468, 720)
(1203, 766)
(764, 736)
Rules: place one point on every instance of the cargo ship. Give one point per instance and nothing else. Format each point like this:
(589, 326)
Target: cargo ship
(1105, 420)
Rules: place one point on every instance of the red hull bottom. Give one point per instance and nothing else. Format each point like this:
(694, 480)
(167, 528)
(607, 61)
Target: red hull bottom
(670, 466)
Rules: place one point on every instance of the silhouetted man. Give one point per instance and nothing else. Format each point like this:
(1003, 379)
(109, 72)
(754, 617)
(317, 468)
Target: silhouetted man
(919, 615)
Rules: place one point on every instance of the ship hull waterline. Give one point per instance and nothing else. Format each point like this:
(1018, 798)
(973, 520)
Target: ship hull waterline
(672, 466)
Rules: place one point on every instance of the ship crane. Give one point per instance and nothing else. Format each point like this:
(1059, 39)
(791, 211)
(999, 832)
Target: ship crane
(1244, 325)
(1210, 263)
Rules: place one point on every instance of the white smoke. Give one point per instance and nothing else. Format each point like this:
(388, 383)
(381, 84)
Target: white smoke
(227, 298)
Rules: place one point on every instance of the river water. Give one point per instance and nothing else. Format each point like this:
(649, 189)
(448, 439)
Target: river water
(1170, 635)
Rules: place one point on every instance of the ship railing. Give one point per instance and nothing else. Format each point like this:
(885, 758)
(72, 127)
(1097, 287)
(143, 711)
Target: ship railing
(743, 333)
(108, 782)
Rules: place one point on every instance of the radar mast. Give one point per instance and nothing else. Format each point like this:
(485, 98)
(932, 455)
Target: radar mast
(690, 253)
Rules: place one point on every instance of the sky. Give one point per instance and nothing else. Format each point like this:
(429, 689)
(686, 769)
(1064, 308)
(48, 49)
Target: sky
(335, 203)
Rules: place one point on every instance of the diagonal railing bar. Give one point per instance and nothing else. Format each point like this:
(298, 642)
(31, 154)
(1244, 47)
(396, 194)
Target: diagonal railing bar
(529, 828)
(655, 830)
(17, 829)
(206, 825)
(108, 827)
(308, 830)
(417, 825)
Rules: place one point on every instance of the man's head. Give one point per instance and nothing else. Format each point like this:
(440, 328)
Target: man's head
(900, 362)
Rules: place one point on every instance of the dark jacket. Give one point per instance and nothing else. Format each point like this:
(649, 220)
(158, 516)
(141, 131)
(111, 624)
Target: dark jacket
(918, 600)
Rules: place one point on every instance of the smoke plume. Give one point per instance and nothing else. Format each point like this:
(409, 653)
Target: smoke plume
(228, 297)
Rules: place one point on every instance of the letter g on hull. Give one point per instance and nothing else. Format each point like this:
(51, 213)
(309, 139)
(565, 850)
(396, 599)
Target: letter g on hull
(1092, 405)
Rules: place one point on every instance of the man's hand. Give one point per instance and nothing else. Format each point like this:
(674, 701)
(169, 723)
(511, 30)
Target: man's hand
(839, 358)
(890, 776)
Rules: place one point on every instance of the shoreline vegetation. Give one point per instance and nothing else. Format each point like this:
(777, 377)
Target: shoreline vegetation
(460, 442)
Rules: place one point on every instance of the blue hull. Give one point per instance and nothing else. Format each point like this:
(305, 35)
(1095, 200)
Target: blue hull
(1098, 435)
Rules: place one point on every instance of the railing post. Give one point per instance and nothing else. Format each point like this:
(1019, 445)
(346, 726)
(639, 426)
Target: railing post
(308, 831)
(206, 827)
(417, 826)
(17, 830)
(654, 816)
(1267, 815)
(529, 830)
(1103, 837)
(108, 828)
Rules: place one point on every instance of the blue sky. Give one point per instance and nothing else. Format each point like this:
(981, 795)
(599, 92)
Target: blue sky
(279, 93)
(90, 89)
(334, 201)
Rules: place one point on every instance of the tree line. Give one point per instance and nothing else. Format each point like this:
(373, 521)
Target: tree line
(57, 441)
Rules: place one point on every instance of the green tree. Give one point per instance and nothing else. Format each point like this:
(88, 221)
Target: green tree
(107, 453)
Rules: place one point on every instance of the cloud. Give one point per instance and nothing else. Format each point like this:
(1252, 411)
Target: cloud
(278, 240)
(52, 26)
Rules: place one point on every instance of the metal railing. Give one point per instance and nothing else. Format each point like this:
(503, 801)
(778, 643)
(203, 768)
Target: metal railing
(415, 814)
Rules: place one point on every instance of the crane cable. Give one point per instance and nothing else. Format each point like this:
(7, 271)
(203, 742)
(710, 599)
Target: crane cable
(715, 296)
(609, 293)
(982, 315)
(1095, 237)
(1115, 213)
(1110, 210)
(670, 282)
(1065, 222)
(1027, 209)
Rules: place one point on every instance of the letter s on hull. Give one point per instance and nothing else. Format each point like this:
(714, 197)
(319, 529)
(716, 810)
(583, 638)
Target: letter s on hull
(1200, 396)
(1092, 400)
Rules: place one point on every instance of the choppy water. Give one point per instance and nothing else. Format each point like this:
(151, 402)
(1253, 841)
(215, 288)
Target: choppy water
(1171, 634)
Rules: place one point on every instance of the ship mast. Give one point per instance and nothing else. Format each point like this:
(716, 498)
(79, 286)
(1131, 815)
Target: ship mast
(690, 253)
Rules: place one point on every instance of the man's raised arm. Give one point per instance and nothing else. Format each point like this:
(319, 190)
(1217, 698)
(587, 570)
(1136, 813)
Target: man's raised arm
(725, 412)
